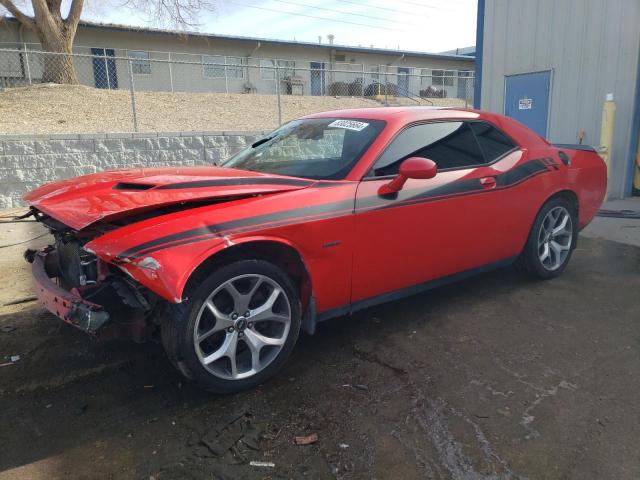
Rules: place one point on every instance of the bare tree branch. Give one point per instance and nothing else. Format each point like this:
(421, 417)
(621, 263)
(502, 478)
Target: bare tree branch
(41, 11)
(74, 15)
(54, 5)
(177, 13)
(21, 17)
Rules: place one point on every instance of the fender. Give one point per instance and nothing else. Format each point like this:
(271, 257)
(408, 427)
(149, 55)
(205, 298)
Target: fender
(167, 271)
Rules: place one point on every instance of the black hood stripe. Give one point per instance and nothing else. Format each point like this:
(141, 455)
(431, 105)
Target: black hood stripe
(229, 182)
(335, 209)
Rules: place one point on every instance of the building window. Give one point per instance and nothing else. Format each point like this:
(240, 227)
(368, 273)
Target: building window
(443, 77)
(268, 72)
(374, 72)
(213, 66)
(141, 65)
(287, 68)
(425, 77)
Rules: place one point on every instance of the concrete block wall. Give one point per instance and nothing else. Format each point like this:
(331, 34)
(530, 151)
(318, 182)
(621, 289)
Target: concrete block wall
(27, 162)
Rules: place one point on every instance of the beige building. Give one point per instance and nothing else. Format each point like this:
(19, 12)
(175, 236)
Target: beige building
(165, 60)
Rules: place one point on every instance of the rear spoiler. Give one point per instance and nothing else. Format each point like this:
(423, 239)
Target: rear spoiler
(569, 146)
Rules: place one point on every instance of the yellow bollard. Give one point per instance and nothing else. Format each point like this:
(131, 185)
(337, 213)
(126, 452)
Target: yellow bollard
(636, 177)
(606, 132)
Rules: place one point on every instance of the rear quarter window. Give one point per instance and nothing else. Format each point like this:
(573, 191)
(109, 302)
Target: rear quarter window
(493, 143)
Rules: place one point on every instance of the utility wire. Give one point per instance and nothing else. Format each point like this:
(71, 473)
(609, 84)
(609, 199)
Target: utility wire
(386, 9)
(24, 241)
(342, 12)
(313, 16)
(417, 4)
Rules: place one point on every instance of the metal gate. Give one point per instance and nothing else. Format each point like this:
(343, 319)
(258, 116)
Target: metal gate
(403, 82)
(317, 78)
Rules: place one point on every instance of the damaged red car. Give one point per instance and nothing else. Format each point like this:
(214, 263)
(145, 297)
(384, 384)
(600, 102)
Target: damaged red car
(326, 215)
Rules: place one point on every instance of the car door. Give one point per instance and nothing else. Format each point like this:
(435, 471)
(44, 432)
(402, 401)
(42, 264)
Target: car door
(433, 228)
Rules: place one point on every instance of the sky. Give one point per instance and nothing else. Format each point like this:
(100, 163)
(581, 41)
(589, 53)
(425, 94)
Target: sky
(415, 25)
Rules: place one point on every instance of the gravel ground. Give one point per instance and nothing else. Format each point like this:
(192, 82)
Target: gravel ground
(45, 109)
(497, 377)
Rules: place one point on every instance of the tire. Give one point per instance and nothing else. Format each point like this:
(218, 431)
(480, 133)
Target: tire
(546, 254)
(226, 351)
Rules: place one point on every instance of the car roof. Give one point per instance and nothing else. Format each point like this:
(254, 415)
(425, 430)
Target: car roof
(402, 114)
(397, 117)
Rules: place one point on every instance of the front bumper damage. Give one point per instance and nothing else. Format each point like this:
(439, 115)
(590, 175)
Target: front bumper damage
(69, 306)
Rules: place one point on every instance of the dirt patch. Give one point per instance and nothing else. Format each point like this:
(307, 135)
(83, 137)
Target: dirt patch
(45, 109)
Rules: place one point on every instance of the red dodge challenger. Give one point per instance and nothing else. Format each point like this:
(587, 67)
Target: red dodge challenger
(328, 214)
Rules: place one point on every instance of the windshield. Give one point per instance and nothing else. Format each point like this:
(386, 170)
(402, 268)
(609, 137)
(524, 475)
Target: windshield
(318, 148)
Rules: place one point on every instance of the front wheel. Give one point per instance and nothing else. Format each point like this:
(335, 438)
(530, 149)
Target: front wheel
(551, 241)
(237, 328)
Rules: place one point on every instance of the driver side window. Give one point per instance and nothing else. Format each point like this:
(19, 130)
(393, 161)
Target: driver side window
(449, 144)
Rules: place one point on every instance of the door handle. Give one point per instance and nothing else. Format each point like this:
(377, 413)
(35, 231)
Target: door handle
(488, 182)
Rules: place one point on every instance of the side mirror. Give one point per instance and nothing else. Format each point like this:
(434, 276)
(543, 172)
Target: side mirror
(412, 167)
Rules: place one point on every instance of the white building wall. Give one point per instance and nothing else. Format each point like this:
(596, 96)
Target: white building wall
(191, 49)
(592, 48)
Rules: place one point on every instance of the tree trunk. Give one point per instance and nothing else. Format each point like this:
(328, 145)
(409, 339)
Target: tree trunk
(55, 34)
(58, 67)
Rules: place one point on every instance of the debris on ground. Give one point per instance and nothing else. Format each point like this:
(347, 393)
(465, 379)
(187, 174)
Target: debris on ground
(7, 328)
(357, 386)
(306, 439)
(220, 440)
(12, 360)
(255, 463)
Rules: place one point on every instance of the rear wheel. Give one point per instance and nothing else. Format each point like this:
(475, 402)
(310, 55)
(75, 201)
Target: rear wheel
(551, 241)
(237, 329)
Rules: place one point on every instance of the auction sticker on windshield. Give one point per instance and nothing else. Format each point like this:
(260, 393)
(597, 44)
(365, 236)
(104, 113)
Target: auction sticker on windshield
(349, 125)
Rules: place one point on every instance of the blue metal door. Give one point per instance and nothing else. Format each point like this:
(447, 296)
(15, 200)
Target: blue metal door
(403, 82)
(527, 99)
(104, 69)
(317, 78)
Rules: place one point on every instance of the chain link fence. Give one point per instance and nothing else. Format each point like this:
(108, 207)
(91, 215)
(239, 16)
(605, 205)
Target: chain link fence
(274, 85)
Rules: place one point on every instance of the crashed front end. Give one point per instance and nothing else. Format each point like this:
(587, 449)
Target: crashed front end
(126, 242)
(86, 292)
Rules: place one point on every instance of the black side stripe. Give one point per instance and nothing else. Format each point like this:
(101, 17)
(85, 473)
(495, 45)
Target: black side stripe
(460, 187)
(335, 209)
(521, 172)
(243, 222)
(227, 182)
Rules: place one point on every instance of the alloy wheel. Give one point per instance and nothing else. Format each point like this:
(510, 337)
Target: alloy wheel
(554, 238)
(242, 326)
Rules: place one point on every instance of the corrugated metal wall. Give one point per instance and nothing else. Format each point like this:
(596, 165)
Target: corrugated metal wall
(592, 47)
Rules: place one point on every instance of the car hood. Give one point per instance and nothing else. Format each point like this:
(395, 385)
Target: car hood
(81, 201)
